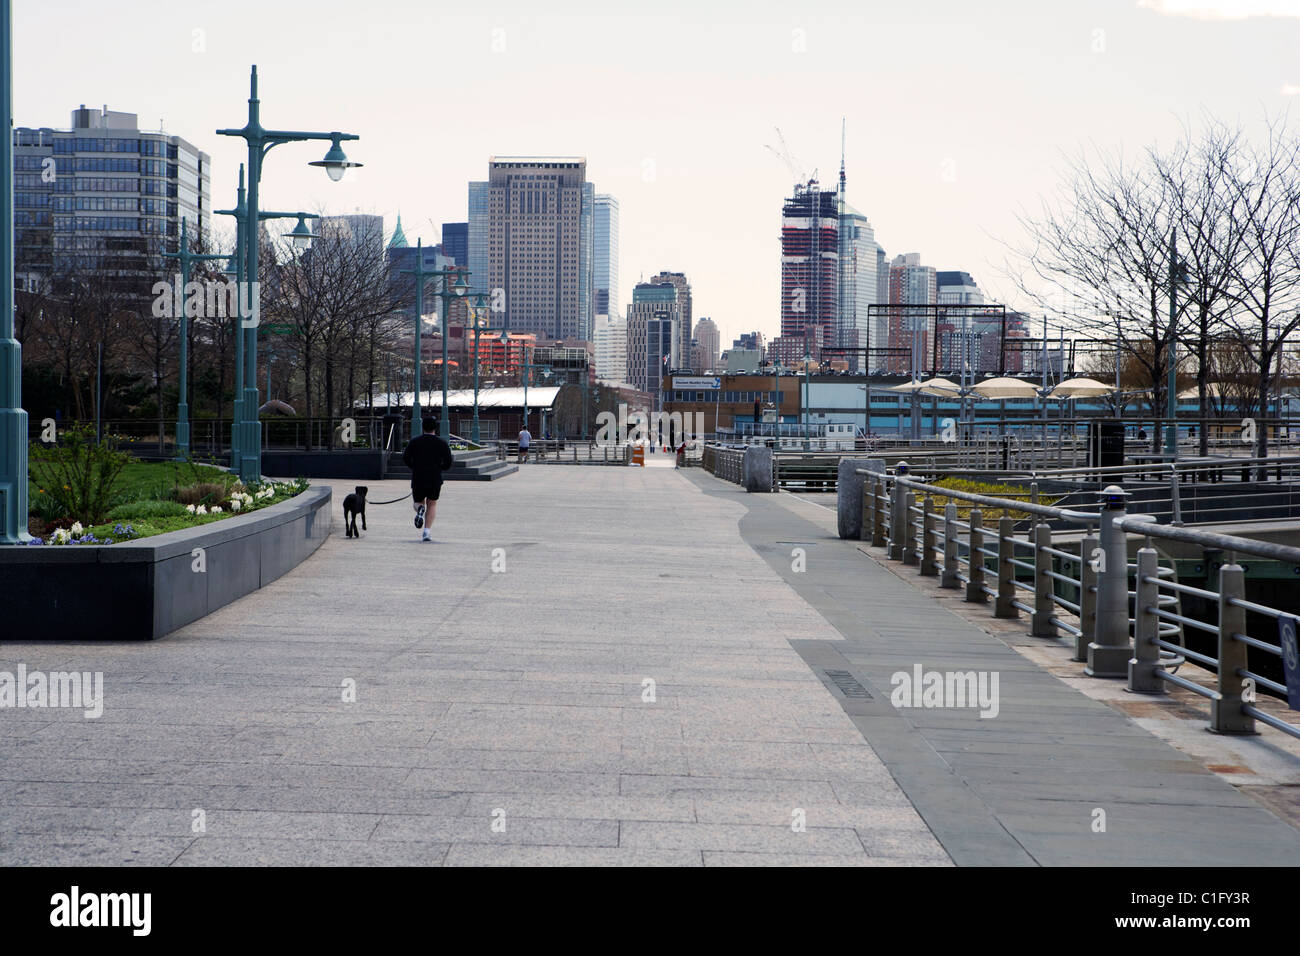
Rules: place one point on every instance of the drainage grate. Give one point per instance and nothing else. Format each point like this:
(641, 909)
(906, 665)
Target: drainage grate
(848, 685)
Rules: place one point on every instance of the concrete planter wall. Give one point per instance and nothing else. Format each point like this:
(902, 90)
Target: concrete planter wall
(144, 590)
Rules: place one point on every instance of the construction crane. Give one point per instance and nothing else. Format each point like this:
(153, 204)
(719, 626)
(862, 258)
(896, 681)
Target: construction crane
(797, 170)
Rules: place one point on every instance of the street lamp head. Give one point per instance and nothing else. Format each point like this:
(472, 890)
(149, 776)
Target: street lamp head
(302, 234)
(232, 267)
(460, 287)
(336, 162)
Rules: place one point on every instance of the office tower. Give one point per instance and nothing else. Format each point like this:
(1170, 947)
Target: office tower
(541, 231)
(478, 245)
(678, 281)
(105, 197)
(611, 349)
(809, 270)
(355, 228)
(605, 263)
(857, 288)
(706, 334)
(957, 288)
(455, 242)
(911, 283)
(749, 340)
(653, 336)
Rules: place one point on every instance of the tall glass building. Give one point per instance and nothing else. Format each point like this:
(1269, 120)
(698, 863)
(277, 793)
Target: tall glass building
(857, 290)
(478, 244)
(606, 257)
(105, 198)
(587, 264)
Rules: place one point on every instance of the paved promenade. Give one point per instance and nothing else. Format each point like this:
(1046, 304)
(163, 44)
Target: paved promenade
(593, 665)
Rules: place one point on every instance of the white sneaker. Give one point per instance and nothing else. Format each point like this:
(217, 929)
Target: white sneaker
(426, 536)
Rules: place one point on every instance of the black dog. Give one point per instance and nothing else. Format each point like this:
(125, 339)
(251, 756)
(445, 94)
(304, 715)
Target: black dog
(353, 505)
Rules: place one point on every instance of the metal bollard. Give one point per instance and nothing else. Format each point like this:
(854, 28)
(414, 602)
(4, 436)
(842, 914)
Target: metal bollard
(950, 566)
(1044, 608)
(929, 567)
(910, 555)
(1002, 606)
(1142, 667)
(1226, 715)
(1033, 492)
(1109, 652)
(975, 586)
(1087, 596)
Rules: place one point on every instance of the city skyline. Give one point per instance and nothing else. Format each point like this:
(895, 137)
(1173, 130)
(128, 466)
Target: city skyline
(940, 155)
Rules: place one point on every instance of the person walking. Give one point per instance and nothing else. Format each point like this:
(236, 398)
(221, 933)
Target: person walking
(525, 439)
(428, 456)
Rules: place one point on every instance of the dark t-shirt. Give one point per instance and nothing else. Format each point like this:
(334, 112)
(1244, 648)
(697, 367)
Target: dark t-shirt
(428, 456)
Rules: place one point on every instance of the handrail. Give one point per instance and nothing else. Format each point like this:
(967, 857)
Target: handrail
(1212, 539)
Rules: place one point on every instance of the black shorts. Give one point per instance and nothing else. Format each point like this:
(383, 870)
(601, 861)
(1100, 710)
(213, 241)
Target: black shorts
(420, 490)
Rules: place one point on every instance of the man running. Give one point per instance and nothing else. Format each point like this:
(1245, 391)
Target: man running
(428, 456)
(525, 439)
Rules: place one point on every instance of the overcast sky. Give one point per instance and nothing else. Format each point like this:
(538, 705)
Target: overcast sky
(958, 114)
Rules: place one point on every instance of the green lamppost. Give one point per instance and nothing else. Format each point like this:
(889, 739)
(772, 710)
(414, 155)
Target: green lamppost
(480, 322)
(186, 258)
(300, 235)
(449, 292)
(260, 142)
(421, 275)
(1177, 274)
(13, 420)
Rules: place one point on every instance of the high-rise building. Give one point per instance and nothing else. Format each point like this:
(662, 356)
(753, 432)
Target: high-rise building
(455, 242)
(857, 288)
(611, 349)
(911, 283)
(678, 281)
(749, 340)
(653, 336)
(957, 288)
(105, 197)
(605, 263)
(810, 268)
(541, 232)
(706, 334)
(478, 244)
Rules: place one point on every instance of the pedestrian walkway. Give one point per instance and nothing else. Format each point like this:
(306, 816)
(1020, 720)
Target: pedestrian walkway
(620, 690)
(594, 665)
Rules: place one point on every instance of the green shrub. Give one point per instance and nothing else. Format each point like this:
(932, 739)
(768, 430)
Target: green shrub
(44, 505)
(80, 474)
(137, 510)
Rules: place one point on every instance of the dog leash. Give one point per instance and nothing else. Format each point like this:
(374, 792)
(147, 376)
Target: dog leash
(403, 498)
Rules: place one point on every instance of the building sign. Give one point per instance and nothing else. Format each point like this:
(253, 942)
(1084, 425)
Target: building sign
(697, 382)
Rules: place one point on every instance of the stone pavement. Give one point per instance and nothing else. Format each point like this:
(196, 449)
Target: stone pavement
(594, 665)
(500, 717)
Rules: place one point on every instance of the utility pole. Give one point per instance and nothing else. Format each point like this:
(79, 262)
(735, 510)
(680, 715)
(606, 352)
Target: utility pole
(1171, 399)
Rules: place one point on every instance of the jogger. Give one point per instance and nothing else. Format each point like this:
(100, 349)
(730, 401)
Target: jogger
(428, 456)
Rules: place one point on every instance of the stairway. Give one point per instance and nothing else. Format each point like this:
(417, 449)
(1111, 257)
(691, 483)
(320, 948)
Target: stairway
(481, 465)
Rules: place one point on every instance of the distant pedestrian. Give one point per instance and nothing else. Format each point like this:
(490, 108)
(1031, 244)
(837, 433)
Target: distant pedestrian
(1142, 434)
(428, 456)
(525, 439)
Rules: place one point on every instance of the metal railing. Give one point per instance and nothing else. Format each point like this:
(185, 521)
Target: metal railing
(725, 463)
(1125, 617)
(554, 451)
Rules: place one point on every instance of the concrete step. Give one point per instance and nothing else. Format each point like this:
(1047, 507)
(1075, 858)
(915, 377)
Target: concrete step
(470, 466)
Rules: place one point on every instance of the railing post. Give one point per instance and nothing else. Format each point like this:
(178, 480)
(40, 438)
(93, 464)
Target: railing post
(929, 568)
(1044, 608)
(1146, 626)
(1226, 715)
(897, 526)
(1002, 606)
(975, 586)
(868, 509)
(1175, 502)
(950, 565)
(910, 553)
(1088, 546)
(879, 489)
(1109, 652)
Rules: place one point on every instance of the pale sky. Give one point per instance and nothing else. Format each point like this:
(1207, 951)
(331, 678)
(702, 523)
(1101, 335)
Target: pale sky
(958, 114)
